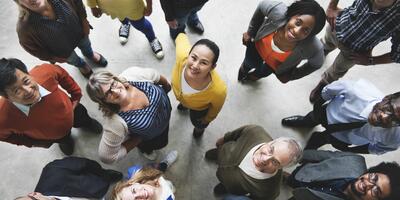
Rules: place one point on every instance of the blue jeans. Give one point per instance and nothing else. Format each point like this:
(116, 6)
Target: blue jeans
(184, 17)
(253, 60)
(143, 25)
(86, 48)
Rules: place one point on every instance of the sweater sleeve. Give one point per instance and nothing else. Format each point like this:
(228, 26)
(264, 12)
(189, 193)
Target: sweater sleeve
(266, 10)
(28, 41)
(168, 8)
(141, 74)
(182, 47)
(247, 129)
(114, 134)
(66, 81)
(217, 102)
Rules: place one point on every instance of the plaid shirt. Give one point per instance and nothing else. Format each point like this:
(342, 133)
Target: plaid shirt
(361, 29)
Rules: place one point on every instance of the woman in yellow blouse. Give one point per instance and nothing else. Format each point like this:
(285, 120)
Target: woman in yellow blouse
(195, 83)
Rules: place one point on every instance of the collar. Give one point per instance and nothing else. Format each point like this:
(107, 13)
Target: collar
(368, 109)
(25, 108)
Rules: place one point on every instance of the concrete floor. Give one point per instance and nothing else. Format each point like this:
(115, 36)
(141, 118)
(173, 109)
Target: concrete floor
(265, 102)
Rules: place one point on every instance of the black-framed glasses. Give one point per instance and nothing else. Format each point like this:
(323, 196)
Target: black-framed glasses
(375, 190)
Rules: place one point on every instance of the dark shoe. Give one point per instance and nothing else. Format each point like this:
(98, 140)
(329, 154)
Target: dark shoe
(316, 92)
(296, 121)
(95, 126)
(102, 62)
(157, 49)
(198, 27)
(181, 107)
(111, 175)
(124, 33)
(198, 132)
(212, 154)
(242, 75)
(220, 190)
(67, 146)
(86, 71)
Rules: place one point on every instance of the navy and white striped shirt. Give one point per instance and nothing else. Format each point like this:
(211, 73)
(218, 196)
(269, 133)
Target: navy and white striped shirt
(361, 29)
(151, 121)
(60, 36)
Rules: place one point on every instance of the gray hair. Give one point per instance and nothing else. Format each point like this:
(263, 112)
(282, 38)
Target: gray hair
(96, 94)
(295, 148)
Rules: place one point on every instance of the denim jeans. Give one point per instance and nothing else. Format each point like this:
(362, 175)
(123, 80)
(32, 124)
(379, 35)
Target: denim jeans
(143, 25)
(184, 17)
(86, 48)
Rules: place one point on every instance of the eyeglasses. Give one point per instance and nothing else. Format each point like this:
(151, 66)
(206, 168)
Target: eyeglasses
(113, 85)
(375, 190)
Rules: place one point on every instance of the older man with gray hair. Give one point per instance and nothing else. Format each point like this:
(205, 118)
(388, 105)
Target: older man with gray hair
(250, 162)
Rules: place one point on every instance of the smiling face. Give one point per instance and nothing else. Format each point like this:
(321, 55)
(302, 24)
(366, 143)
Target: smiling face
(370, 186)
(385, 113)
(299, 27)
(114, 92)
(34, 5)
(25, 90)
(138, 191)
(199, 62)
(271, 156)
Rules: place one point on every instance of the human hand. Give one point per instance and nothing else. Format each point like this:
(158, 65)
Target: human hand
(166, 87)
(148, 10)
(96, 12)
(246, 39)
(362, 58)
(331, 14)
(173, 24)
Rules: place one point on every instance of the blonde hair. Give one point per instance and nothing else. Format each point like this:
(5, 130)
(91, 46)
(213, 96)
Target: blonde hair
(96, 94)
(143, 176)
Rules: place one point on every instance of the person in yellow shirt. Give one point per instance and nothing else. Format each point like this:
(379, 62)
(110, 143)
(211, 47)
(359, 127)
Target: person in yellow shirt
(196, 84)
(129, 12)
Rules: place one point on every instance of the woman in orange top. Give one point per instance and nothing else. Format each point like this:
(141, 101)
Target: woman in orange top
(280, 37)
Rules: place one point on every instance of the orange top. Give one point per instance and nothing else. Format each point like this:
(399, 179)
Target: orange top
(271, 57)
(49, 119)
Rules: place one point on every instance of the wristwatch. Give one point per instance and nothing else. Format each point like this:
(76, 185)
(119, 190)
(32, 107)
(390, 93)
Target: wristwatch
(371, 61)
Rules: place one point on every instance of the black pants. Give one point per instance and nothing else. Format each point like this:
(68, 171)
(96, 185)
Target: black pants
(155, 143)
(318, 139)
(81, 119)
(196, 118)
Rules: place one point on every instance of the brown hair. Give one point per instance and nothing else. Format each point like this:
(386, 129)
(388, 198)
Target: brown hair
(143, 176)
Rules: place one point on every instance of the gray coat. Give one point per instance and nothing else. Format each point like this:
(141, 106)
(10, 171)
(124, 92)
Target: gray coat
(327, 165)
(271, 15)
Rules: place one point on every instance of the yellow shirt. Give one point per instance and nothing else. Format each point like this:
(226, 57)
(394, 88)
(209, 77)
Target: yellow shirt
(121, 9)
(212, 98)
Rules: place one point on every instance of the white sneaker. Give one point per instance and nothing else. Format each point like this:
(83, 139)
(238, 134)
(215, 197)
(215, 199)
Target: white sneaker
(157, 48)
(124, 33)
(151, 156)
(170, 158)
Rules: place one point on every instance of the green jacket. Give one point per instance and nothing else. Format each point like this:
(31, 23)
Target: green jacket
(236, 145)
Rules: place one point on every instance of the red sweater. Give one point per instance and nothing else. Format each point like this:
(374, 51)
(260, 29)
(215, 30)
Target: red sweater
(49, 119)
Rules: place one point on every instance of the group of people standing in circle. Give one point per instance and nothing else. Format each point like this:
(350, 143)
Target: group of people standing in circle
(137, 109)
